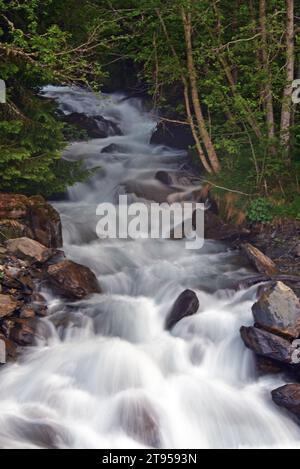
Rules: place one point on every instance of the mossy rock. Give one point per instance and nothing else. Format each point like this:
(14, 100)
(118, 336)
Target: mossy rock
(10, 229)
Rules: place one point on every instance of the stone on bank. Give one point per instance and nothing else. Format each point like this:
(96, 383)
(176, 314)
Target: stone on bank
(73, 280)
(278, 311)
(30, 233)
(32, 217)
(288, 397)
(28, 249)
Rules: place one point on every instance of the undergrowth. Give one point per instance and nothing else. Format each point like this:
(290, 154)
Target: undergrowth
(259, 190)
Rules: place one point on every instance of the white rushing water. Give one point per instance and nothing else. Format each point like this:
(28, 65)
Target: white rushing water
(106, 374)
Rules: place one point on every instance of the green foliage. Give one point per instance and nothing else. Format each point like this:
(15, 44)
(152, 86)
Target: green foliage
(289, 208)
(41, 44)
(50, 41)
(260, 210)
(30, 152)
(231, 79)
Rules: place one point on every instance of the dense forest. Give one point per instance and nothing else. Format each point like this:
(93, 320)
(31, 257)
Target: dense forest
(221, 70)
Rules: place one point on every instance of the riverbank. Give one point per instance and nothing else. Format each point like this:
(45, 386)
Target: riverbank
(26, 265)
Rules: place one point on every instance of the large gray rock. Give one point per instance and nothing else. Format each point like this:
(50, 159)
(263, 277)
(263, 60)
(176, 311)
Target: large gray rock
(26, 248)
(95, 126)
(288, 397)
(278, 311)
(268, 345)
(73, 280)
(186, 304)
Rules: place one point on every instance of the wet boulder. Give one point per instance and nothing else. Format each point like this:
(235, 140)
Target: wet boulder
(17, 275)
(27, 312)
(114, 148)
(39, 432)
(30, 217)
(95, 126)
(187, 304)
(164, 177)
(172, 134)
(23, 331)
(7, 306)
(14, 229)
(139, 420)
(288, 397)
(28, 249)
(266, 366)
(26, 282)
(268, 345)
(45, 223)
(73, 280)
(176, 178)
(260, 261)
(38, 304)
(278, 310)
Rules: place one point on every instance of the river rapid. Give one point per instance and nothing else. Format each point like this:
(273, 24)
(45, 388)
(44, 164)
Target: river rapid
(105, 373)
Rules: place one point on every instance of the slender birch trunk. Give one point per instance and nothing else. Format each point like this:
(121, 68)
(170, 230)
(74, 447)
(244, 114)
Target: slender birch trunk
(194, 131)
(286, 114)
(199, 148)
(267, 94)
(211, 152)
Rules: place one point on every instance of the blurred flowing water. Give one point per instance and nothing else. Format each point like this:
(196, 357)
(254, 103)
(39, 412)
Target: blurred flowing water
(105, 373)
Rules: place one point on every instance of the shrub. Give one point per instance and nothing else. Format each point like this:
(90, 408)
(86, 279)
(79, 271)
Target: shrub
(260, 210)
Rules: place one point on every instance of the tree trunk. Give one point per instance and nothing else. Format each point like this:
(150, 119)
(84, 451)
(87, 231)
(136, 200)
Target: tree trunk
(235, 25)
(268, 95)
(289, 70)
(212, 155)
(199, 148)
(194, 131)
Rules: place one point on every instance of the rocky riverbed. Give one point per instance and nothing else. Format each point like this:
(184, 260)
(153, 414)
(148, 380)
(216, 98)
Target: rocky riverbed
(26, 264)
(31, 258)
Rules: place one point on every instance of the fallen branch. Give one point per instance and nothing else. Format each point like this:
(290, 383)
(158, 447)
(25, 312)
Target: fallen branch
(174, 121)
(226, 188)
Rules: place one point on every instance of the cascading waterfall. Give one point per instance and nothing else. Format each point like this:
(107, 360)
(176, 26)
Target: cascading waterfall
(106, 373)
